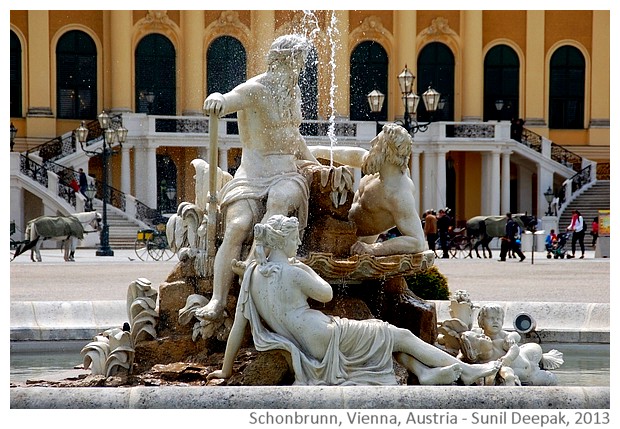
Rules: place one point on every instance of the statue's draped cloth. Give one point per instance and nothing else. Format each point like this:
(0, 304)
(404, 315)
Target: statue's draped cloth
(359, 352)
(257, 189)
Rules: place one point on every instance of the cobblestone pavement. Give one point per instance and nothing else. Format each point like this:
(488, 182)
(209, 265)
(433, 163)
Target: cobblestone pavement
(535, 279)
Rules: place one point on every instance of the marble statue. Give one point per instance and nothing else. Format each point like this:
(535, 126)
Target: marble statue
(267, 181)
(490, 342)
(521, 365)
(385, 197)
(325, 350)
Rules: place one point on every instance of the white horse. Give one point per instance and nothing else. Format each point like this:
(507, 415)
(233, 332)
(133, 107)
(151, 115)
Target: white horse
(68, 229)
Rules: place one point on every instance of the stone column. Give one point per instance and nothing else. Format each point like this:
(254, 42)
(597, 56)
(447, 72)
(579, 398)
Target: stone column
(39, 117)
(505, 192)
(600, 96)
(125, 170)
(193, 77)
(545, 179)
(120, 63)
(440, 192)
(485, 188)
(263, 26)
(342, 69)
(494, 197)
(473, 73)
(150, 199)
(405, 24)
(415, 178)
(524, 189)
(223, 159)
(428, 193)
(535, 66)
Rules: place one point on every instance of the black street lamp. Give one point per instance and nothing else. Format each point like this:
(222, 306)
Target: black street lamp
(110, 135)
(90, 192)
(171, 193)
(549, 197)
(411, 100)
(13, 134)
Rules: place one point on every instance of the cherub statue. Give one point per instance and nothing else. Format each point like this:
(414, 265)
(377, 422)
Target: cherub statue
(491, 342)
(325, 350)
(521, 365)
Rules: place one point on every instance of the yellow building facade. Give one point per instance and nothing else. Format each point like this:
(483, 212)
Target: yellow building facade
(532, 37)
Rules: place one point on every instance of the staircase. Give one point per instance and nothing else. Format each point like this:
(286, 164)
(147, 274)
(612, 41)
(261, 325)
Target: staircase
(588, 203)
(122, 231)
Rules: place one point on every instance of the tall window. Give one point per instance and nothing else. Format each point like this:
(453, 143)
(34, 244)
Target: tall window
(16, 76)
(226, 68)
(566, 88)
(76, 75)
(226, 64)
(436, 69)
(308, 82)
(155, 76)
(369, 68)
(501, 84)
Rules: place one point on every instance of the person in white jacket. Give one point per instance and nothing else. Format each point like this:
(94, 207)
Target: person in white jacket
(576, 226)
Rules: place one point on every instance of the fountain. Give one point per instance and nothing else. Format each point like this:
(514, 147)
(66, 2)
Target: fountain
(181, 333)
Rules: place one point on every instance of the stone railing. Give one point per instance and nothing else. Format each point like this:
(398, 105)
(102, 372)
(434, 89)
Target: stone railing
(41, 175)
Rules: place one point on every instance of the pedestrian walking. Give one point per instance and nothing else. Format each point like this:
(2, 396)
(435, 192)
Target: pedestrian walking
(83, 181)
(577, 227)
(430, 228)
(510, 242)
(443, 228)
(594, 231)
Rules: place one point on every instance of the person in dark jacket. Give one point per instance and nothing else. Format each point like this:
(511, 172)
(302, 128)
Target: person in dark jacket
(443, 227)
(509, 240)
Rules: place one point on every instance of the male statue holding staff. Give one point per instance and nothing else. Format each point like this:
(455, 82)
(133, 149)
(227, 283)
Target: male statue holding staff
(267, 181)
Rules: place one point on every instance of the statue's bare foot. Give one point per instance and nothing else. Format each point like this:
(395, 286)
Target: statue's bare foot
(441, 375)
(238, 267)
(473, 372)
(214, 310)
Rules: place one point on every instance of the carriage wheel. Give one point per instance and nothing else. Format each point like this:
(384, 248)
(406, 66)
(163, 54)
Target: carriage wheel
(155, 248)
(141, 249)
(166, 251)
(461, 247)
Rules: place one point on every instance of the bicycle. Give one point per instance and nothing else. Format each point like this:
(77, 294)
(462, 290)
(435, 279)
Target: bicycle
(153, 243)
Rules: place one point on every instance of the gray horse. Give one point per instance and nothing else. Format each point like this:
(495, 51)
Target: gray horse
(485, 228)
(68, 229)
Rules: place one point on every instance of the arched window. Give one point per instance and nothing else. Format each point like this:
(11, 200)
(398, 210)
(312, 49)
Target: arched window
(436, 69)
(16, 76)
(566, 88)
(166, 179)
(501, 84)
(155, 76)
(226, 64)
(226, 68)
(369, 68)
(308, 82)
(76, 76)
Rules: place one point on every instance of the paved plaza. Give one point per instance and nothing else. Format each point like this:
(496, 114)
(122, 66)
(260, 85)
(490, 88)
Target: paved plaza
(539, 279)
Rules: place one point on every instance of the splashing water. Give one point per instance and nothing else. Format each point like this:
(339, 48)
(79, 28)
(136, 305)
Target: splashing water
(311, 30)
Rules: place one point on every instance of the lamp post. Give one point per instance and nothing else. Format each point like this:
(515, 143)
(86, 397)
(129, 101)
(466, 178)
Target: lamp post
(13, 134)
(110, 135)
(171, 193)
(549, 197)
(411, 100)
(375, 100)
(499, 105)
(90, 192)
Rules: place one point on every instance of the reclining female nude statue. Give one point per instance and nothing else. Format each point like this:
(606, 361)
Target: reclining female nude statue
(325, 350)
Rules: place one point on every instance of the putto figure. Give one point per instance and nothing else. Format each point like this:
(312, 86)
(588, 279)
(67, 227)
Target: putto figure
(267, 181)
